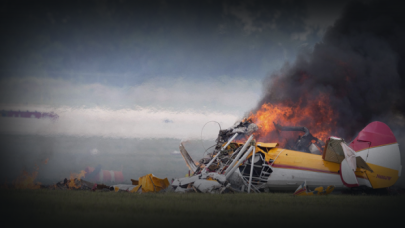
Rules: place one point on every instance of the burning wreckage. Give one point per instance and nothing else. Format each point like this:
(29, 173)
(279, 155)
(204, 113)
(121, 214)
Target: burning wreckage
(370, 161)
(238, 163)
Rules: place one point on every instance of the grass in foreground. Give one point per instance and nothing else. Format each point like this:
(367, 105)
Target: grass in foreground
(82, 208)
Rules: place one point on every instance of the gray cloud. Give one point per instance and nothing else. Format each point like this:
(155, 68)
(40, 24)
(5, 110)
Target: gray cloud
(223, 94)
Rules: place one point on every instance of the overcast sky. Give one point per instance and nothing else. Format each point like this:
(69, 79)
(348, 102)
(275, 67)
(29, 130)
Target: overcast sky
(147, 68)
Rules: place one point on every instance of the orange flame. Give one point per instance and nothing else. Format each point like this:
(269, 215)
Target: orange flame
(73, 176)
(316, 114)
(26, 181)
(45, 161)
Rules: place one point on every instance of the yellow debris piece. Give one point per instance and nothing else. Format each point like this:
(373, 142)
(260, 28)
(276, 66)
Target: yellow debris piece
(302, 190)
(267, 145)
(150, 183)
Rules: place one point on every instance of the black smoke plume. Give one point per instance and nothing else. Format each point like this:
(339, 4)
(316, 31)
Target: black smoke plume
(359, 64)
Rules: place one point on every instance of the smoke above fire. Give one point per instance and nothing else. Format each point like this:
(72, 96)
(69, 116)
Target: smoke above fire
(354, 76)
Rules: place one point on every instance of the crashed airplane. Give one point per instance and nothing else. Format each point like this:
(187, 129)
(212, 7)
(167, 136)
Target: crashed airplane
(370, 161)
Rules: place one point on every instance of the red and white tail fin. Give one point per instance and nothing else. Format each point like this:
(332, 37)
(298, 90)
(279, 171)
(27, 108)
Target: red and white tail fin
(377, 145)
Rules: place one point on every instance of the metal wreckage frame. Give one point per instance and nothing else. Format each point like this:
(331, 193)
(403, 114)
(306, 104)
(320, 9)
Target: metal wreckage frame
(238, 167)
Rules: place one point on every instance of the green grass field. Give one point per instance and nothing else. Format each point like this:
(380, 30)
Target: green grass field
(85, 208)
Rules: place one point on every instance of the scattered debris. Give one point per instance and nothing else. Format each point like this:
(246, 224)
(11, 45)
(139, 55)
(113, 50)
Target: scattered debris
(303, 190)
(71, 184)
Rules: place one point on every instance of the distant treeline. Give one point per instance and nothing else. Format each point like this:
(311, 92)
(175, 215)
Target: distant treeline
(29, 114)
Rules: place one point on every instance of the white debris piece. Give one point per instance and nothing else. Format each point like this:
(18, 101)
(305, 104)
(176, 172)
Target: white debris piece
(125, 187)
(188, 180)
(219, 177)
(207, 186)
(180, 189)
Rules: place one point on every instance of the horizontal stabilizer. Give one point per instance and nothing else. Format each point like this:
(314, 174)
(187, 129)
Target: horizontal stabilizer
(362, 164)
(336, 150)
